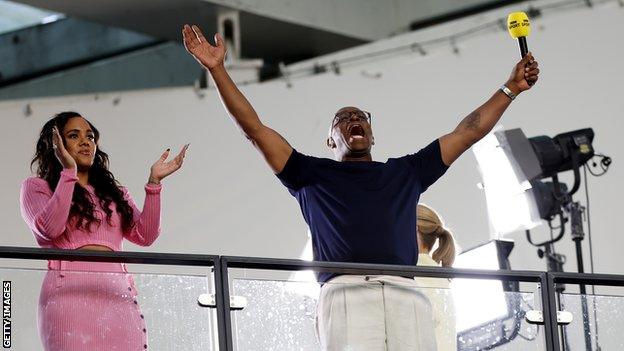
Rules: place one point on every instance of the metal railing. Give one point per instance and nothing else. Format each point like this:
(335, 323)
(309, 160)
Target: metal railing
(221, 266)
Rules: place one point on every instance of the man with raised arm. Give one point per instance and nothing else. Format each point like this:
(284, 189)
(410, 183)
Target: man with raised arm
(360, 210)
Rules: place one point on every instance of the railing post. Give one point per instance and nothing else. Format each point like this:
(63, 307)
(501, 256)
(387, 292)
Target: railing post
(222, 296)
(549, 309)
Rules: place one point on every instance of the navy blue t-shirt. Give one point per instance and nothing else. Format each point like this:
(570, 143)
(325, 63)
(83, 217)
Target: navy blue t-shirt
(362, 211)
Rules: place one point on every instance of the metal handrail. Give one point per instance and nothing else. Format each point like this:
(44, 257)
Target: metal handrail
(159, 258)
(588, 278)
(378, 269)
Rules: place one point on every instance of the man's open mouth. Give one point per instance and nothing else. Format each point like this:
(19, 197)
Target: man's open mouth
(356, 131)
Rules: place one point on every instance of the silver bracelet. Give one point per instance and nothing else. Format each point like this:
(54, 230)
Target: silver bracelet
(508, 92)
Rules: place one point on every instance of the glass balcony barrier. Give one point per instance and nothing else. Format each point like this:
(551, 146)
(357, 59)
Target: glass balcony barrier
(81, 305)
(294, 312)
(593, 305)
(597, 324)
(243, 304)
(287, 315)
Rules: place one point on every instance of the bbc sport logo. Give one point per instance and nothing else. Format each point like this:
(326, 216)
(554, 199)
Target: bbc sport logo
(6, 314)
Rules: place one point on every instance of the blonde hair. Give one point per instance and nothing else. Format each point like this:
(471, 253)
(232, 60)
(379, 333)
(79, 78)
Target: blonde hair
(431, 230)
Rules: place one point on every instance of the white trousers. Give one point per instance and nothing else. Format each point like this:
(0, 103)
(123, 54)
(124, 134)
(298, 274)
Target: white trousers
(361, 313)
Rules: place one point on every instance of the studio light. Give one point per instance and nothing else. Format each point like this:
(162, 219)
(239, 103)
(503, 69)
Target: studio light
(510, 205)
(513, 166)
(531, 160)
(487, 311)
(563, 152)
(548, 205)
(543, 157)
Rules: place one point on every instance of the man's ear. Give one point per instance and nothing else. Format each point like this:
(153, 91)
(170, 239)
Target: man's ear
(331, 143)
(373, 141)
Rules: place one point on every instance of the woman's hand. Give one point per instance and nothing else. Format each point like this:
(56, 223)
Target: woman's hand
(66, 160)
(161, 169)
(196, 44)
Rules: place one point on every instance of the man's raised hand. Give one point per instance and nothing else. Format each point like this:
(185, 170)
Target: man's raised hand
(524, 74)
(196, 44)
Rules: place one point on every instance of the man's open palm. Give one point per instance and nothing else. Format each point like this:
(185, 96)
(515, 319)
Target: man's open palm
(196, 44)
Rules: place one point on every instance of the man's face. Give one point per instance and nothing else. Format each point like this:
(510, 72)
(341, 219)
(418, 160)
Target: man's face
(351, 133)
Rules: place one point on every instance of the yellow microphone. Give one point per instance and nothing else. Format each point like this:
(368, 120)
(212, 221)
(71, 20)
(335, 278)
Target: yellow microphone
(519, 28)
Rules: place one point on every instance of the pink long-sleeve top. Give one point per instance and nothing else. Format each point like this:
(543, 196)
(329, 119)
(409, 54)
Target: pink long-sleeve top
(47, 214)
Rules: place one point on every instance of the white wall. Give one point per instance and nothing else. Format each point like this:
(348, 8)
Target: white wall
(226, 201)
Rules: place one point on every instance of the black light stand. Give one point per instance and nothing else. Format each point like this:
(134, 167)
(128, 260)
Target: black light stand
(554, 263)
(576, 228)
(551, 205)
(563, 203)
(576, 211)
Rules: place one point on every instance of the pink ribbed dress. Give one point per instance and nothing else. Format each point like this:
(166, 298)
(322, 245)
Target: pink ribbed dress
(81, 308)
